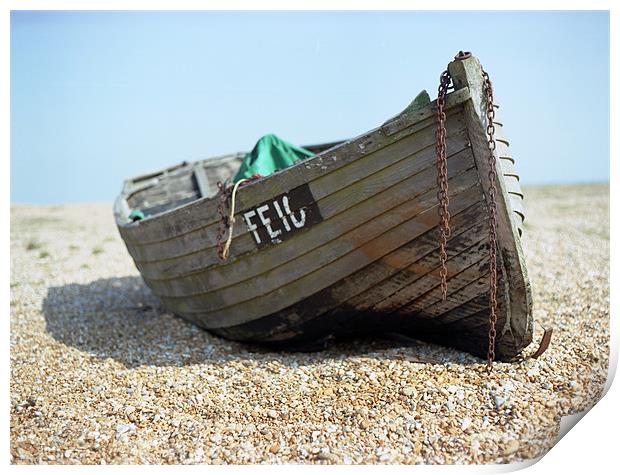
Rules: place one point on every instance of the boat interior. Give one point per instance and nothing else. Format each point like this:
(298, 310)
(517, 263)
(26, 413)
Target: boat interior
(157, 192)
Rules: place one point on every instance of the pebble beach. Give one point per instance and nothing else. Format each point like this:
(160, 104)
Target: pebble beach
(101, 373)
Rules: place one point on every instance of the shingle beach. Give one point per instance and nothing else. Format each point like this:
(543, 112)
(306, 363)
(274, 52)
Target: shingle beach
(102, 374)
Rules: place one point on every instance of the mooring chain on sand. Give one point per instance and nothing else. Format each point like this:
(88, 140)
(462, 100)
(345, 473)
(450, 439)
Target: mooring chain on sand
(442, 196)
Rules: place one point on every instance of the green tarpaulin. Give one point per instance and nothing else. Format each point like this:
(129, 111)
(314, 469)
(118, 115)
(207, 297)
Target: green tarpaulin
(270, 154)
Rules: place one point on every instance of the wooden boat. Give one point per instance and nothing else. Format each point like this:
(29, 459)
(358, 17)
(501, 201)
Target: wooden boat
(344, 242)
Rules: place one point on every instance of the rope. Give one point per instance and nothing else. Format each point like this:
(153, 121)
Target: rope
(231, 218)
(229, 221)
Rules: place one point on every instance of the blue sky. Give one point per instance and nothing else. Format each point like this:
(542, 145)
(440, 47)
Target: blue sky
(99, 96)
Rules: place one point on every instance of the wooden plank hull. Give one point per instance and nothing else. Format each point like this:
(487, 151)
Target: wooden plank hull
(342, 243)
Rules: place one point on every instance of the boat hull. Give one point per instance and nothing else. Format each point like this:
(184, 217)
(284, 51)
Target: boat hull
(347, 243)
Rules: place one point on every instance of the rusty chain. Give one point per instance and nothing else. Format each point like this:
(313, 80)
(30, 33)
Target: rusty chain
(443, 201)
(492, 204)
(442, 181)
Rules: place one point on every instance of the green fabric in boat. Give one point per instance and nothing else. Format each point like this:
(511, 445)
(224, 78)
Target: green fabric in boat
(269, 155)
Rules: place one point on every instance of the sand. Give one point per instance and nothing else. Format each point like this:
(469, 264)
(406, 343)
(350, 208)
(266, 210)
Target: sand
(101, 373)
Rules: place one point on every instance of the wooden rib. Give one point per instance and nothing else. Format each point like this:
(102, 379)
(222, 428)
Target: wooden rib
(508, 167)
(201, 179)
(173, 189)
(136, 187)
(326, 275)
(318, 148)
(512, 185)
(421, 143)
(164, 192)
(167, 204)
(204, 212)
(516, 203)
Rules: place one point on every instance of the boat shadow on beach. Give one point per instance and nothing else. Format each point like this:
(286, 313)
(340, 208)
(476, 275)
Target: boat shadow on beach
(119, 318)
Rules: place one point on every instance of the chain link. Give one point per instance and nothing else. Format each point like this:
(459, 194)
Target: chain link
(442, 181)
(492, 204)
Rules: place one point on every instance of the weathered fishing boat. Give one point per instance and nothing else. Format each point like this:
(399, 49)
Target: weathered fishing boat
(391, 231)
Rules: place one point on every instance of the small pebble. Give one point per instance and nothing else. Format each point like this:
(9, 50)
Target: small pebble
(328, 457)
(511, 447)
(466, 423)
(409, 391)
(123, 428)
(499, 401)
